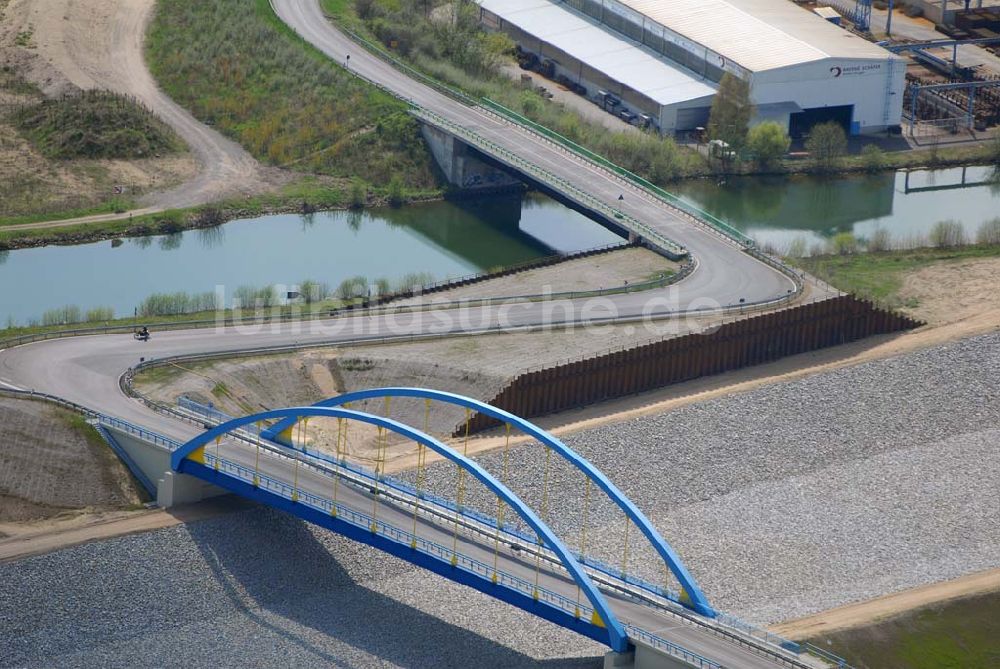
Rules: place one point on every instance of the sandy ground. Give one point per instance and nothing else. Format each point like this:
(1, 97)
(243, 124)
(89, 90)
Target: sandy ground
(99, 44)
(875, 610)
(26, 539)
(951, 292)
(606, 270)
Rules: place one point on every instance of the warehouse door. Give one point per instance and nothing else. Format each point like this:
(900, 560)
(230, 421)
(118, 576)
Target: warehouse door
(695, 117)
(801, 122)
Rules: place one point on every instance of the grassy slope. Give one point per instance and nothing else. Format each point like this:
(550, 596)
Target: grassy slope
(880, 275)
(96, 124)
(960, 634)
(236, 66)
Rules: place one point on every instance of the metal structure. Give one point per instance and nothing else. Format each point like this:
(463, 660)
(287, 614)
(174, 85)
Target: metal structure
(920, 50)
(192, 458)
(968, 114)
(859, 12)
(691, 595)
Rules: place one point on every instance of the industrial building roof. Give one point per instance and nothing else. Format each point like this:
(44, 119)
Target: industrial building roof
(619, 58)
(758, 34)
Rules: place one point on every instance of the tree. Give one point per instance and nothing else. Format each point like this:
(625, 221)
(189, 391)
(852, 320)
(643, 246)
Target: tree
(768, 142)
(826, 144)
(731, 112)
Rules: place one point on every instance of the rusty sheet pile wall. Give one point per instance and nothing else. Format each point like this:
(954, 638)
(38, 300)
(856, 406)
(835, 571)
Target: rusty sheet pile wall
(742, 343)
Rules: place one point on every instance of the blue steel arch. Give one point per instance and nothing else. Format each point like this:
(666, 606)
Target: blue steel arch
(617, 637)
(696, 598)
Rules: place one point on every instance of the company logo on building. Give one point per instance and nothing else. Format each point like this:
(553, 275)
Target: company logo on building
(850, 70)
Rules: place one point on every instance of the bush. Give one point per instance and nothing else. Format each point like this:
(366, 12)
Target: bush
(172, 304)
(797, 248)
(826, 144)
(62, 315)
(352, 288)
(313, 291)
(879, 241)
(844, 243)
(257, 298)
(873, 158)
(768, 142)
(989, 232)
(99, 314)
(397, 196)
(359, 194)
(947, 235)
(414, 280)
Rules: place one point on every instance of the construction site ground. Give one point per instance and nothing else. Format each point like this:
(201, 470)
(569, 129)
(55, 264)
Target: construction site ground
(955, 299)
(51, 466)
(604, 270)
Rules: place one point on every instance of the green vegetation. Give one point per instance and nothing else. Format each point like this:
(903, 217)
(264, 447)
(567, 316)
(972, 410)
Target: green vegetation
(957, 634)
(879, 276)
(95, 124)
(768, 143)
(172, 304)
(826, 145)
(236, 66)
(731, 112)
(444, 41)
(71, 313)
(873, 158)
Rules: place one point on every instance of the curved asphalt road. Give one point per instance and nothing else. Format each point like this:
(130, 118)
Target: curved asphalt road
(86, 369)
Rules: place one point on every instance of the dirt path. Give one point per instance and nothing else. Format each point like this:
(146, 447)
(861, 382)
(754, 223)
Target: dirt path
(865, 613)
(605, 270)
(25, 539)
(99, 44)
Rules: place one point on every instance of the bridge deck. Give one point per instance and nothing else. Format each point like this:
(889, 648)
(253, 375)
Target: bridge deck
(315, 484)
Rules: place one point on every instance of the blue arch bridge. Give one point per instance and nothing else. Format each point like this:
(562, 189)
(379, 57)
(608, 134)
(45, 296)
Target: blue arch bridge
(513, 555)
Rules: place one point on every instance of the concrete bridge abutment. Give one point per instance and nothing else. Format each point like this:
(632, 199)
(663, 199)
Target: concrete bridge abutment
(460, 165)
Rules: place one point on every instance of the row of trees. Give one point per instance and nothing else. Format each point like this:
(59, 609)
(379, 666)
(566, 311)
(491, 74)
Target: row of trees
(766, 143)
(947, 234)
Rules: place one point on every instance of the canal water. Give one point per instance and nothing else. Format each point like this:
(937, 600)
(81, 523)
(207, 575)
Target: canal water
(777, 210)
(444, 239)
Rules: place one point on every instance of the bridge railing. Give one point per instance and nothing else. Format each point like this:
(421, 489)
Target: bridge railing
(513, 116)
(135, 430)
(664, 195)
(373, 524)
(443, 553)
(671, 248)
(639, 634)
(528, 541)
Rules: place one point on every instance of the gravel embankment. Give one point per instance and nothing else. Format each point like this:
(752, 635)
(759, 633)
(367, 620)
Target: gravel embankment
(259, 589)
(783, 501)
(803, 495)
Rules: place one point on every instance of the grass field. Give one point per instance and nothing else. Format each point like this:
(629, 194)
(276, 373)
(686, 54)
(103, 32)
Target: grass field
(879, 276)
(959, 634)
(238, 68)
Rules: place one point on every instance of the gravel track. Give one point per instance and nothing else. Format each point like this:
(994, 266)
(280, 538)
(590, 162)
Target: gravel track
(783, 501)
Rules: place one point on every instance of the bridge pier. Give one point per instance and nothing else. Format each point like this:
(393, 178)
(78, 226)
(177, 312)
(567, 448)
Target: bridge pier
(150, 462)
(645, 657)
(460, 165)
